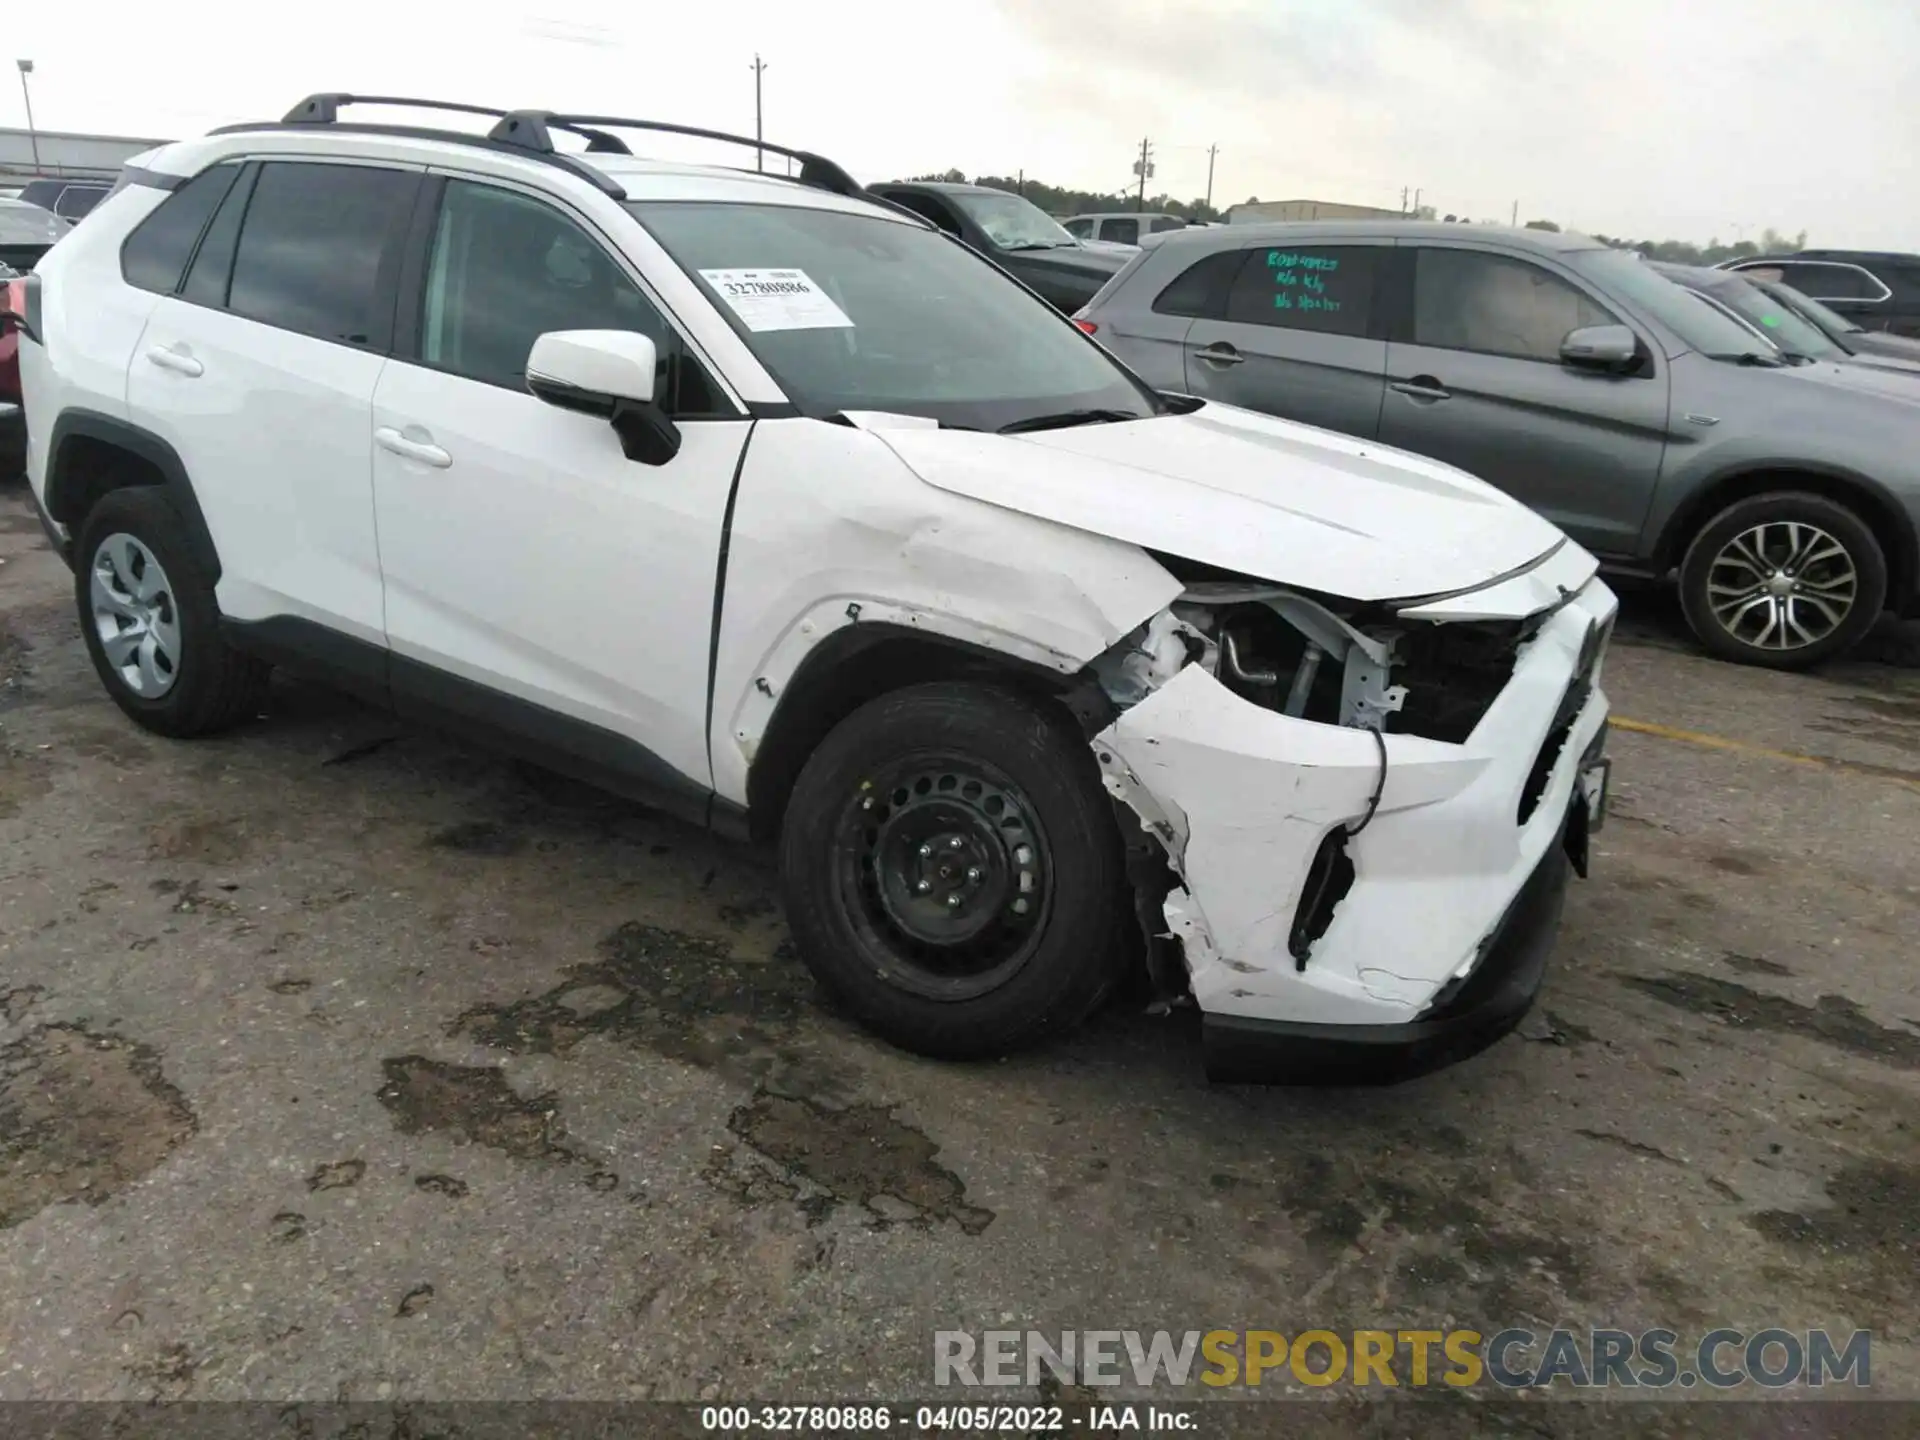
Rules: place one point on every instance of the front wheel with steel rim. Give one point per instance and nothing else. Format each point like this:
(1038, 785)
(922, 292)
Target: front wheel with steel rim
(148, 616)
(952, 871)
(1785, 580)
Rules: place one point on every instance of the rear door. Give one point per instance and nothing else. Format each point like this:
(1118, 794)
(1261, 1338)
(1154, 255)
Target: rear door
(259, 367)
(1474, 378)
(1298, 335)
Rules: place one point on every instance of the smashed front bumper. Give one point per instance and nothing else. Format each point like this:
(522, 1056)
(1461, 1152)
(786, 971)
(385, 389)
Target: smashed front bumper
(1341, 920)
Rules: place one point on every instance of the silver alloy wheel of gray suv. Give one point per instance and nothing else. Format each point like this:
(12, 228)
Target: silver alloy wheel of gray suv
(1658, 429)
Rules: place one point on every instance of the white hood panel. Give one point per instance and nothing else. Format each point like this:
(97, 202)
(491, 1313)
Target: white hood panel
(1262, 497)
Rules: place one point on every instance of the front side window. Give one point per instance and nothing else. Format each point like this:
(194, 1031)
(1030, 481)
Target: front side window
(854, 311)
(155, 255)
(1493, 305)
(1700, 324)
(311, 249)
(1121, 232)
(1079, 227)
(1011, 222)
(506, 269)
(1323, 288)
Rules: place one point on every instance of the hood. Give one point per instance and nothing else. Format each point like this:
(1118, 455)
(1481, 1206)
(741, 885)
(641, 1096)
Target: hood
(1247, 493)
(1882, 378)
(1082, 260)
(1879, 342)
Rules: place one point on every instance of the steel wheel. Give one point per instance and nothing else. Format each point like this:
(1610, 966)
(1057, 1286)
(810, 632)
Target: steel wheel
(1782, 585)
(944, 862)
(135, 615)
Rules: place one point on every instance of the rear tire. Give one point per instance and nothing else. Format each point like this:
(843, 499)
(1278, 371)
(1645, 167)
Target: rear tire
(1784, 580)
(952, 871)
(148, 615)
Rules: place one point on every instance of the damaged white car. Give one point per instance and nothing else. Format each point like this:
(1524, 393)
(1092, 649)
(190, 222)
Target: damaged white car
(774, 506)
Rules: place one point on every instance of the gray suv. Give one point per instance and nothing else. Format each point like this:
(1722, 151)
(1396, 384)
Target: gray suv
(1653, 427)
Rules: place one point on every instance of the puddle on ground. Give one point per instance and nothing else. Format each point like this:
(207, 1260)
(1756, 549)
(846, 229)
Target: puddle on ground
(82, 1115)
(1833, 1019)
(680, 996)
(861, 1155)
(472, 1103)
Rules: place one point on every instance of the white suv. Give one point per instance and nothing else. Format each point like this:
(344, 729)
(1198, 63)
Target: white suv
(771, 505)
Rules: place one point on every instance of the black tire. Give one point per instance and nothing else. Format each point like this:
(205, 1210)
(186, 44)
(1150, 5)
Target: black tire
(1863, 555)
(1037, 970)
(213, 686)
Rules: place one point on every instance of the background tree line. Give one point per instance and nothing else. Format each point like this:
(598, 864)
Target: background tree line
(1056, 200)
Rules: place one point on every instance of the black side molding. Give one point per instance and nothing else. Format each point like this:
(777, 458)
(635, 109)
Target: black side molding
(438, 700)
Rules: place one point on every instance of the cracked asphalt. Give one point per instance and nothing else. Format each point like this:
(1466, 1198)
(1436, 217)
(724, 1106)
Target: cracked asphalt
(337, 1062)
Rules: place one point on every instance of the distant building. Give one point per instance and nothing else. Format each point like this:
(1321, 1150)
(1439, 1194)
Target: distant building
(62, 153)
(1305, 210)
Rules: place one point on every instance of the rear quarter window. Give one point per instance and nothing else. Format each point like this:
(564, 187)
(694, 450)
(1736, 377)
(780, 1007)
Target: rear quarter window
(155, 255)
(1201, 289)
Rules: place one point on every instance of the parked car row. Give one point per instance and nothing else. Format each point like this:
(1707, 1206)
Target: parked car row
(1044, 681)
(1664, 429)
(1878, 290)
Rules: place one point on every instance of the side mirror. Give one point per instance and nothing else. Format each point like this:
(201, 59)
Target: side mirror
(1601, 347)
(612, 374)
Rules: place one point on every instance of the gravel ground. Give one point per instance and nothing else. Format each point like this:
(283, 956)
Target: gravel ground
(337, 1062)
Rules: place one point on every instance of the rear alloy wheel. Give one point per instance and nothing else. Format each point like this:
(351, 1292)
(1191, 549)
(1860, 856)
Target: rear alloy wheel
(1784, 580)
(952, 870)
(150, 623)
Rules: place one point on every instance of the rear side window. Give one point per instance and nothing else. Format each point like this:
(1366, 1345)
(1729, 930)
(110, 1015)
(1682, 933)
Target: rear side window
(1120, 232)
(1166, 222)
(1493, 305)
(155, 255)
(1324, 288)
(1831, 282)
(1201, 290)
(317, 248)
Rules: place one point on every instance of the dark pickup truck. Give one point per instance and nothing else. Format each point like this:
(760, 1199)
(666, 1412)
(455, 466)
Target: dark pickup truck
(1015, 234)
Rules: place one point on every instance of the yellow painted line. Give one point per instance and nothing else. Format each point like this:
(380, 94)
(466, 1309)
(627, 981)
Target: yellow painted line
(1765, 752)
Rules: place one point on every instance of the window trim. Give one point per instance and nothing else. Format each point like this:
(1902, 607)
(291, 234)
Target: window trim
(1886, 292)
(410, 299)
(1404, 332)
(386, 276)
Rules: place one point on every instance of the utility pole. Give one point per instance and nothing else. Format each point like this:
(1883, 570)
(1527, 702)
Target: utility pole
(33, 135)
(1143, 167)
(759, 155)
(1212, 150)
(1516, 214)
(1020, 184)
(1416, 201)
(1403, 200)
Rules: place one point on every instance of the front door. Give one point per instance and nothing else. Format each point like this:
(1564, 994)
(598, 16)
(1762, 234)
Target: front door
(1297, 337)
(1474, 378)
(528, 563)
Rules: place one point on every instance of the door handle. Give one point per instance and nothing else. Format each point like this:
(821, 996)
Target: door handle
(175, 360)
(1221, 353)
(424, 451)
(1422, 387)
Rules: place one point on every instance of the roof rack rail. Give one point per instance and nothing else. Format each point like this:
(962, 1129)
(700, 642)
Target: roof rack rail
(324, 109)
(532, 130)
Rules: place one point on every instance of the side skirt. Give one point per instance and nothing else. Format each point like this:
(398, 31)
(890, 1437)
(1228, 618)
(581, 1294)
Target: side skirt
(438, 700)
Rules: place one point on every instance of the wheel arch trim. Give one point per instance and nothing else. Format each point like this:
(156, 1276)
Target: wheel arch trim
(68, 494)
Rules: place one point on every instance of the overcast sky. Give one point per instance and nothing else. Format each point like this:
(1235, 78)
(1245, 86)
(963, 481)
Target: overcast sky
(1647, 119)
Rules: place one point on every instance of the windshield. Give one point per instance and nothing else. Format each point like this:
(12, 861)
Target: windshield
(860, 312)
(1010, 222)
(1792, 334)
(1695, 319)
(1831, 321)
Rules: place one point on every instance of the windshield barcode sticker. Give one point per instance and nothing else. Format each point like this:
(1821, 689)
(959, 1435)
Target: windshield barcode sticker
(777, 300)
